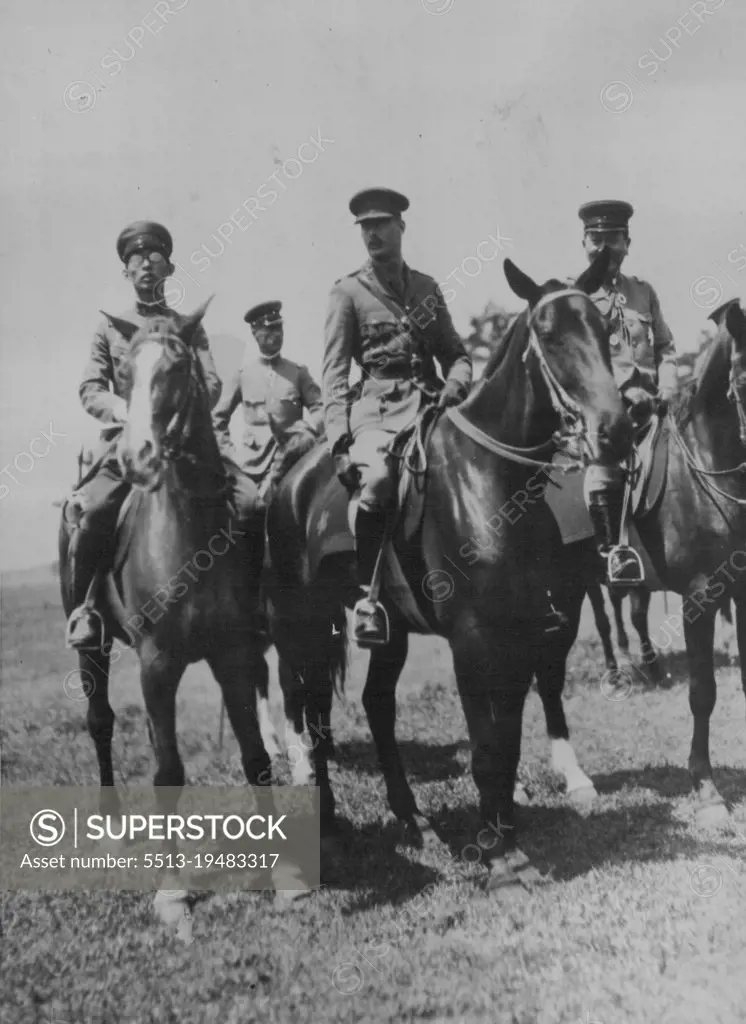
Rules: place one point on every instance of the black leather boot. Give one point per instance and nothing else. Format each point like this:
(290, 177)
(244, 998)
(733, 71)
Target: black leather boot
(88, 554)
(370, 621)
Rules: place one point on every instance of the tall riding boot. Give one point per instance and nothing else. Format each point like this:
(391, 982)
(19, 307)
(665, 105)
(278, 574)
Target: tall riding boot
(370, 621)
(88, 562)
(605, 500)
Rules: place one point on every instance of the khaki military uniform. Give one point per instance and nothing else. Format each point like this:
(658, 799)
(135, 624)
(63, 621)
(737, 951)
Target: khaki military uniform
(642, 349)
(398, 366)
(104, 384)
(274, 387)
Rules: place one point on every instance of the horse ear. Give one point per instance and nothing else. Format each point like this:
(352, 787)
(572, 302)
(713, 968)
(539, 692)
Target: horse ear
(191, 323)
(126, 329)
(521, 283)
(735, 321)
(593, 276)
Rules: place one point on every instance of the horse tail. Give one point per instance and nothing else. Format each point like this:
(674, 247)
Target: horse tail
(321, 647)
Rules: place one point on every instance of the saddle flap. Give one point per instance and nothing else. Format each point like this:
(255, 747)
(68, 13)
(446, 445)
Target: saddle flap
(652, 464)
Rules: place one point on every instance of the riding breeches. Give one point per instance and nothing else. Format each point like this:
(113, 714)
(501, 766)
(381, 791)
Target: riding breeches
(369, 452)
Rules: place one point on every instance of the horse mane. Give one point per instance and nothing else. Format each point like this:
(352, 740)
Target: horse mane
(711, 363)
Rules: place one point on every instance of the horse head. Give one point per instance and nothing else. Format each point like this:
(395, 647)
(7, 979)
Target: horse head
(567, 354)
(165, 387)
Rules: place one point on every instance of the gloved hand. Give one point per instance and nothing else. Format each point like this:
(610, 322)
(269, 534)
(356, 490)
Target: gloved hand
(450, 395)
(348, 473)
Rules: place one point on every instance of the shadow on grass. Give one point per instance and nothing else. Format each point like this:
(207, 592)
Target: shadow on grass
(423, 762)
(671, 781)
(559, 842)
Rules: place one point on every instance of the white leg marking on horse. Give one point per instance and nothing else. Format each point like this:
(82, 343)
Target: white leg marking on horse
(269, 734)
(299, 750)
(565, 763)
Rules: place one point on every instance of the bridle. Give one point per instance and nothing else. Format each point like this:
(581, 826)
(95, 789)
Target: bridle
(735, 386)
(571, 437)
(171, 441)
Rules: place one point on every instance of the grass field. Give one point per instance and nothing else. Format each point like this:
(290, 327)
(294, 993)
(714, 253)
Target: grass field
(644, 921)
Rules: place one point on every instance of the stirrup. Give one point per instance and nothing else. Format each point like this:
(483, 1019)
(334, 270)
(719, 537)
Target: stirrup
(370, 623)
(92, 645)
(624, 567)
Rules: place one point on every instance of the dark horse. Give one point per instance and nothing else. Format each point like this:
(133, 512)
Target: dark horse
(169, 452)
(553, 369)
(695, 537)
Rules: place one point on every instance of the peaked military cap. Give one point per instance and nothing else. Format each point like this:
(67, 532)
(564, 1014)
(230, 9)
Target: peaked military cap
(144, 234)
(373, 203)
(265, 314)
(605, 215)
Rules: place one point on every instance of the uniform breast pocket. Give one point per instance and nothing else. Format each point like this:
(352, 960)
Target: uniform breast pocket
(379, 327)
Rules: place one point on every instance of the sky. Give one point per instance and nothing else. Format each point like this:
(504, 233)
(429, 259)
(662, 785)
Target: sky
(495, 119)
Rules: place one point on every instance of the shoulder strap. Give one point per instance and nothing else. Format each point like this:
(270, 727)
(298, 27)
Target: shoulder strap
(393, 307)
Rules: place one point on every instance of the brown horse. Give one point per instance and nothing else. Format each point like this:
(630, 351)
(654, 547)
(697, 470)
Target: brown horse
(520, 605)
(181, 518)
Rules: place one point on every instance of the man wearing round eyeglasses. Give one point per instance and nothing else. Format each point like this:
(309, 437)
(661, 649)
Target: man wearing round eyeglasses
(145, 250)
(643, 360)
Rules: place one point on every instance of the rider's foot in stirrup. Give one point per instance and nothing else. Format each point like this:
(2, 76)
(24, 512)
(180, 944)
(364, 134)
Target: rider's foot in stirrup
(624, 567)
(370, 623)
(85, 628)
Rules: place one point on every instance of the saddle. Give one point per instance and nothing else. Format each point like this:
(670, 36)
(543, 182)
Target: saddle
(329, 522)
(646, 479)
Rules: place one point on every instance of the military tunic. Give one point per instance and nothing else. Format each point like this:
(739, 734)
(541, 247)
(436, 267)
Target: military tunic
(397, 363)
(264, 387)
(104, 384)
(642, 349)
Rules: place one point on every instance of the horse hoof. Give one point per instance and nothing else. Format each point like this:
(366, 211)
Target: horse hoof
(513, 871)
(171, 907)
(520, 795)
(583, 799)
(711, 816)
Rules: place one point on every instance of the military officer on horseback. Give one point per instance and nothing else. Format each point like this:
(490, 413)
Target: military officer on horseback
(273, 392)
(145, 250)
(392, 322)
(643, 360)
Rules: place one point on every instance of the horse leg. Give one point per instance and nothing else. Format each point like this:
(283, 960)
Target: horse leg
(550, 679)
(617, 598)
(379, 701)
(639, 599)
(266, 726)
(160, 674)
(699, 635)
(493, 683)
(603, 626)
(293, 696)
(318, 692)
(240, 671)
(94, 675)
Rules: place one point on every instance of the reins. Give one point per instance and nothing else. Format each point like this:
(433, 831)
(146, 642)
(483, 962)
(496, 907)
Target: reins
(569, 411)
